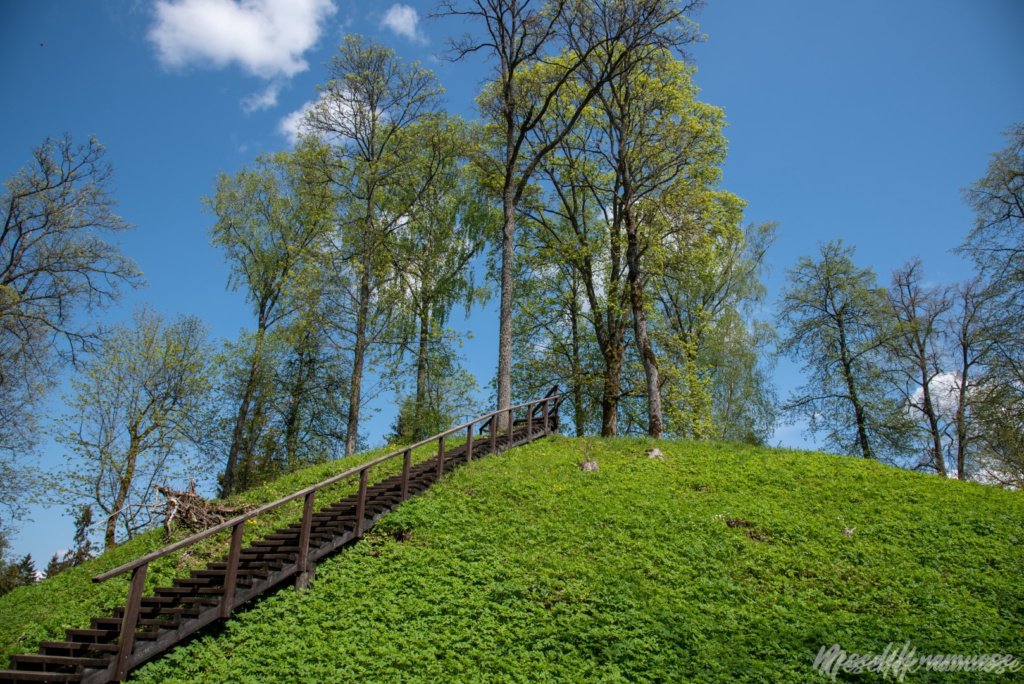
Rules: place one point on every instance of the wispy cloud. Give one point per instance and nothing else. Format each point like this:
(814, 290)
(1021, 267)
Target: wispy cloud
(291, 126)
(265, 38)
(263, 99)
(404, 20)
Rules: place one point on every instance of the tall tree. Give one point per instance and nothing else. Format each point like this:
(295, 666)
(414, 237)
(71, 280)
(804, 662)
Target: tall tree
(366, 111)
(659, 138)
(997, 246)
(55, 265)
(273, 223)
(433, 254)
(707, 287)
(136, 405)
(520, 35)
(916, 347)
(832, 312)
(971, 345)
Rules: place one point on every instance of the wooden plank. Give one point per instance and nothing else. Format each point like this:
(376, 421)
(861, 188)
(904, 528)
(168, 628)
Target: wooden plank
(231, 572)
(131, 616)
(406, 467)
(302, 565)
(361, 502)
(440, 456)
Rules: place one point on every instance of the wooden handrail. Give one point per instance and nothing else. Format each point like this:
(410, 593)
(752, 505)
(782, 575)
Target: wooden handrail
(552, 395)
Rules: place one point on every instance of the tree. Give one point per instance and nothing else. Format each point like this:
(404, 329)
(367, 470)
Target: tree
(273, 223)
(831, 312)
(916, 348)
(367, 111)
(134, 410)
(707, 287)
(55, 265)
(975, 436)
(592, 37)
(433, 254)
(82, 549)
(665, 148)
(997, 246)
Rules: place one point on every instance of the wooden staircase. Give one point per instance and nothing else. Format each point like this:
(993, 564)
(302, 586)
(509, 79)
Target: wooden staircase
(148, 626)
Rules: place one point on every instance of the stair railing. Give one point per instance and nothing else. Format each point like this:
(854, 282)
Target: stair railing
(546, 406)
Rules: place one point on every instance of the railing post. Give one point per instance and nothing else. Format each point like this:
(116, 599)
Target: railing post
(547, 430)
(231, 574)
(511, 428)
(406, 466)
(469, 443)
(126, 642)
(529, 422)
(494, 433)
(302, 565)
(361, 502)
(440, 455)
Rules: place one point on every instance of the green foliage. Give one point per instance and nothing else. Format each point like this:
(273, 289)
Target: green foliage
(134, 409)
(13, 573)
(834, 316)
(997, 246)
(721, 563)
(43, 611)
(82, 549)
(56, 214)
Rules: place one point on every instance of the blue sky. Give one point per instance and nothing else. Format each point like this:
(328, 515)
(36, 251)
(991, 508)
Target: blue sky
(860, 121)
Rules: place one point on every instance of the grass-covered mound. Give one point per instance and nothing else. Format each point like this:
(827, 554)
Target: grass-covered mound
(43, 611)
(721, 563)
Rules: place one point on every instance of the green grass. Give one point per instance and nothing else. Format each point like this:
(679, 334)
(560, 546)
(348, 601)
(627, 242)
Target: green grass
(43, 611)
(522, 568)
(721, 563)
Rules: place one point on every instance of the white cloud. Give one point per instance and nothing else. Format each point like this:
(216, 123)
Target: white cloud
(263, 99)
(266, 38)
(403, 20)
(292, 125)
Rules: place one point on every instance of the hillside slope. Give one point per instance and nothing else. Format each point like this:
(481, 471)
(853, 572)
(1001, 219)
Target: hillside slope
(721, 563)
(43, 611)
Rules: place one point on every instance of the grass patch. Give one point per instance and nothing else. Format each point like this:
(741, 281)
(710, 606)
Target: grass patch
(45, 610)
(721, 563)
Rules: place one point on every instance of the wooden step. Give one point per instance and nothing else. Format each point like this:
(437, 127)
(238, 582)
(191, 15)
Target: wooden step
(19, 676)
(54, 663)
(90, 636)
(70, 648)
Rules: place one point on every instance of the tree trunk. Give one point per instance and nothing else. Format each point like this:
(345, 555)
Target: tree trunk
(358, 359)
(304, 370)
(612, 354)
(643, 341)
(505, 310)
(124, 485)
(228, 484)
(933, 421)
(576, 391)
(859, 415)
(962, 437)
(422, 358)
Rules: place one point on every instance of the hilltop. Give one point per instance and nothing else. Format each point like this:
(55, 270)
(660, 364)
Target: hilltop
(721, 563)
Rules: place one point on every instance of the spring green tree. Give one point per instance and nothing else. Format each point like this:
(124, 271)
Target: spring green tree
(58, 267)
(540, 50)
(132, 415)
(833, 319)
(370, 114)
(274, 222)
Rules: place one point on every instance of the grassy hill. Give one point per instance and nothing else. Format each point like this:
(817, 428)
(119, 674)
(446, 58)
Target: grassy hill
(720, 563)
